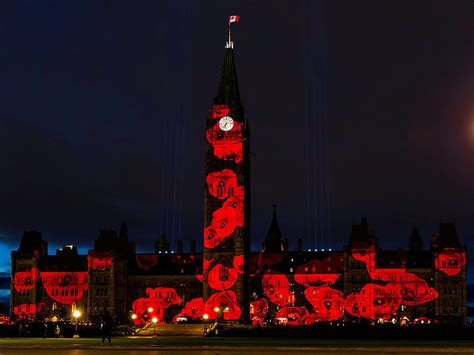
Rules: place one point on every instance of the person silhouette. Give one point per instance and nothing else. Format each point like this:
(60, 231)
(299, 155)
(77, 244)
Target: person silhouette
(106, 327)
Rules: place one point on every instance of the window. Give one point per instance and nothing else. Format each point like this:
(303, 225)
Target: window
(223, 273)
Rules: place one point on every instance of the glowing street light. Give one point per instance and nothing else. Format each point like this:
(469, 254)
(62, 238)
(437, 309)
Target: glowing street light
(76, 314)
(134, 316)
(216, 309)
(154, 320)
(150, 309)
(205, 316)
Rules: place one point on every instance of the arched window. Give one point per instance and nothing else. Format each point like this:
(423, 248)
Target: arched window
(224, 273)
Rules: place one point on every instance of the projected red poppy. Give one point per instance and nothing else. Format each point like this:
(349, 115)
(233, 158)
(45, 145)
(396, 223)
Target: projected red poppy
(374, 302)
(225, 301)
(222, 277)
(182, 259)
(193, 309)
(450, 261)
(145, 309)
(318, 272)
(205, 266)
(221, 184)
(99, 262)
(166, 296)
(291, 315)
(63, 286)
(28, 309)
(218, 111)
(239, 263)
(227, 145)
(146, 261)
(258, 310)
(415, 290)
(276, 288)
(261, 260)
(364, 253)
(225, 220)
(328, 303)
(25, 280)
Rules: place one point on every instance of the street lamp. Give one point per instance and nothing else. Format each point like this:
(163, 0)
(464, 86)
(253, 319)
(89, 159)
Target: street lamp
(154, 320)
(150, 309)
(76, 314)
(133, 318)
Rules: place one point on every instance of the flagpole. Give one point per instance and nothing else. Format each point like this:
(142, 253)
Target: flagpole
(229, 43)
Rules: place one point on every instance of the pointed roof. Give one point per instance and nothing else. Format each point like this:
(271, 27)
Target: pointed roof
(448, 235)
(360, 234)
(274, 229)
(416, 242)
(228, 92)
(274, 242)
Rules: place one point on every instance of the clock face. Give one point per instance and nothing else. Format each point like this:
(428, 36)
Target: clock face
(226, 123)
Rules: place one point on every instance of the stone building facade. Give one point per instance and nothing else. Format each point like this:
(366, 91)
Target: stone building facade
(295, 287)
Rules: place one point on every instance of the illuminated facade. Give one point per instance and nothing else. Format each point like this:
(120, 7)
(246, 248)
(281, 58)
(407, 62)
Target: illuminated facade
(360, 283)
(227, 201)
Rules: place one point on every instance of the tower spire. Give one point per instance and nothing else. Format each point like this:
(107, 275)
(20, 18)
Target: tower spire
(229, 43)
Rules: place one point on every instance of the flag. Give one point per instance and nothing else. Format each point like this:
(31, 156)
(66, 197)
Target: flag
(233, 19)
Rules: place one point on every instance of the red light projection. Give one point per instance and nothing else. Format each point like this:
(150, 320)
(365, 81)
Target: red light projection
(218, 111)
(221, 277)
(222, 183)
(374, 302)
(328, 303)
(231, 215)
(157, 300)
(363, 253)
(146, 309)
(450, 261)
(146, 261)
(182, 259)
(318, 272)
(25, 280)
(65, 287)
(239, 263)
(165, 296)
(291, 315)
(262, 260)
(193, 309)
(205, 266)
(258, 311)
(227, 145)
(99, 262)
(276, 288)
(225, 301)
(413, 289)
(28, 309)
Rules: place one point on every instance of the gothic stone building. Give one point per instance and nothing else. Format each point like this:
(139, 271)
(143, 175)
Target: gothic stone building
(227, 281)
(360, 283)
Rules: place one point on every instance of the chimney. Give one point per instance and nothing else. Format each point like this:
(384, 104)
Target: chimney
(193, 246)
(179, 246)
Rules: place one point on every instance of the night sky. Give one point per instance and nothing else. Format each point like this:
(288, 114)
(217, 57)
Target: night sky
(356, 108)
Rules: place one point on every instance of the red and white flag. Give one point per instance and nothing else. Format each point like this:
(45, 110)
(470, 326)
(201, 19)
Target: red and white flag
(233, 19)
